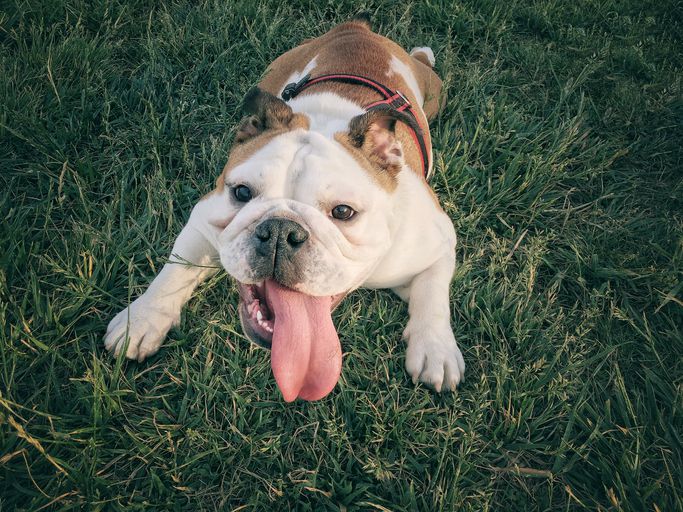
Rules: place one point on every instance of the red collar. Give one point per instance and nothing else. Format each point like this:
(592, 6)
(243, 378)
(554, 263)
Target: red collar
(394, 99)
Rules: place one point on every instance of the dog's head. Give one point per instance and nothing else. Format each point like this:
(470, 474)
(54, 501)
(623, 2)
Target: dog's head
(309, 218)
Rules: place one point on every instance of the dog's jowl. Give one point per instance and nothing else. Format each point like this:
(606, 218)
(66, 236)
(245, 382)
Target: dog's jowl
(325, 190)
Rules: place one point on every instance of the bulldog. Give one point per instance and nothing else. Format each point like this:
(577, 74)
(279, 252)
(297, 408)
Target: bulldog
(324, 191)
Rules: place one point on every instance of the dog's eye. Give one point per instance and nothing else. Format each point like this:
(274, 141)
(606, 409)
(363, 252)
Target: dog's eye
(343, 212)
(242, 193)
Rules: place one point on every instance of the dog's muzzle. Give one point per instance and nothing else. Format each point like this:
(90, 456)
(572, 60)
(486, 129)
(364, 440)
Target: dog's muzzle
(276, 244)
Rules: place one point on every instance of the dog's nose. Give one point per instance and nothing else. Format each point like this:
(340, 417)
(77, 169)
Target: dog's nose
(283, 236)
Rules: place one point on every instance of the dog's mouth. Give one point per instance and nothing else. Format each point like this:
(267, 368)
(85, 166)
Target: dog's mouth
(298, 328)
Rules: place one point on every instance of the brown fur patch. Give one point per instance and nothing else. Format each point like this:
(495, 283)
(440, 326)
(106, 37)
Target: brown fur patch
(385, 178)
(337, 52)
(242, 151)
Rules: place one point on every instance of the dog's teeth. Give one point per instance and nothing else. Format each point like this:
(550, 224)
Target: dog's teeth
(263, 323)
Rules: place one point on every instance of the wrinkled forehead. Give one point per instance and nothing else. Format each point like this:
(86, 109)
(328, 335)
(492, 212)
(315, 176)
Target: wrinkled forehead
(298, 160)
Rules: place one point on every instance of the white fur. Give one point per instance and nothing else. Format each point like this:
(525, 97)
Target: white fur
(427, 52)
(398, 66)
(302, 176)
(419, 268)
(298, 75)
(329, 113)
(433, 355)
(401, 240)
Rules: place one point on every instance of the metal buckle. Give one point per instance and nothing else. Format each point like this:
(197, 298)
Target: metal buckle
(289, 91)
(292, 89)
(401, 95)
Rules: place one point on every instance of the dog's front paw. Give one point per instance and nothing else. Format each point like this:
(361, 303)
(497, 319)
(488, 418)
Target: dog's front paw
(143, 325)
(433, 357)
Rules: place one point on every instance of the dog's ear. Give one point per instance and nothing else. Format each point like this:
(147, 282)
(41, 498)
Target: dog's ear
(374, 134)
(266, 112)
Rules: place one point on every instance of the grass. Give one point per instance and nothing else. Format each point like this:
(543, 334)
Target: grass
(558, 157)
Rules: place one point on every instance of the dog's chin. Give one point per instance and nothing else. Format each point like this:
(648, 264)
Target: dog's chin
(256, 315)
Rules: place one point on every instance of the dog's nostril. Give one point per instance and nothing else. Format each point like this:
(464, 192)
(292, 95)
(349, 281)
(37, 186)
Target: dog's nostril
(262, 233)
(297, 237)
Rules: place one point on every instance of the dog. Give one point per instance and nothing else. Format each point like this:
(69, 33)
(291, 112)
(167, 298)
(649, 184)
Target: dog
(324, 191)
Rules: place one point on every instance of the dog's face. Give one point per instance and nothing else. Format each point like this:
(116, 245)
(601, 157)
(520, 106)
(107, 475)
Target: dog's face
(309, 218)
(306, 215)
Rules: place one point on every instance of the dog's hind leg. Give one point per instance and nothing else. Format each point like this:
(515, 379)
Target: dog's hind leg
(423, 61)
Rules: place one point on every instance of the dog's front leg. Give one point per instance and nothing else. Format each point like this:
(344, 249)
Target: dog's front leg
(145, 322)
(433, 356)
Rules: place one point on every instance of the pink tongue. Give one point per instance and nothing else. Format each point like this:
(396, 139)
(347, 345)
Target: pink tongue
(306, 353)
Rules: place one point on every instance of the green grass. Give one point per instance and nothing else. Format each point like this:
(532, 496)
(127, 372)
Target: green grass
(558, 156)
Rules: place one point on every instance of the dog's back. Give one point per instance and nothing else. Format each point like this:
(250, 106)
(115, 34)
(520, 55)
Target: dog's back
(354, 48)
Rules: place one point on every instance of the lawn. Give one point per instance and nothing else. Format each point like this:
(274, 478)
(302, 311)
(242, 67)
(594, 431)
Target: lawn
(558, 157)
